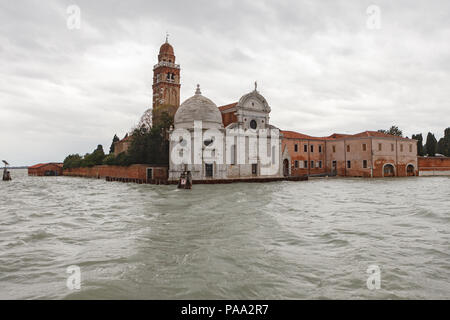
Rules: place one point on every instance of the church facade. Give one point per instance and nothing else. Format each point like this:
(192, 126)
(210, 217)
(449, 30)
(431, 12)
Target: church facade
(237, 141)
(209, 148)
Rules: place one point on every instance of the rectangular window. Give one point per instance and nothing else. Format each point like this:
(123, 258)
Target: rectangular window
(364, 164)
(410, 148)
(401, 147)
(305, 148)
(379, 147)
(320, 149)
(254, 169)
(296, 147)
(392, 147)
(320, 164)
(305, 164)
(208, 169)
(334, 163)
(312, 148)
(296, 163)
(312, 164)
(334, 148)
(349, 164)
(364, 146)
(348, 148)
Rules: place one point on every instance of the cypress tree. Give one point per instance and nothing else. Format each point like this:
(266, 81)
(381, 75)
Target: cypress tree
(431, 144)
(443, 146)
(420, 148)
(115, 139)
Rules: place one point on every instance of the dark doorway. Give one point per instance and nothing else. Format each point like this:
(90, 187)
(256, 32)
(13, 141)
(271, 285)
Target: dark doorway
(389, 170)
(254, 169)
(410, 170)
(286, 167)
(149, 174)
(208, 169)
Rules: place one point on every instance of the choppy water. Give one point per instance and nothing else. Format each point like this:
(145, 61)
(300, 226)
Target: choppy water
(282, 240)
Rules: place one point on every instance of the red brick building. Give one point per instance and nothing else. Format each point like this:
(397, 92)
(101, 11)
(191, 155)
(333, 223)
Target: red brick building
(166, 83)
(122, 145)
(366, 154)
(46, 169)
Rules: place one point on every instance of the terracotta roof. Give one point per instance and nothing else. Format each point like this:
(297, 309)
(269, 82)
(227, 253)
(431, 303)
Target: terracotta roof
(227, 106)
(45, 164)
(125, 139)
(166, 48)
(36, 166)
(297, 135)
(339, 135)
(377, 134)
(334, 136)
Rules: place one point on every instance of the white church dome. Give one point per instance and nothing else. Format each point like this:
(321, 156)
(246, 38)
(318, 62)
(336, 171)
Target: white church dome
(198, 108)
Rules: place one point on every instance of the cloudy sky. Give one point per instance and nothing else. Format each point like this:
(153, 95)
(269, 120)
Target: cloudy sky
(323, 66)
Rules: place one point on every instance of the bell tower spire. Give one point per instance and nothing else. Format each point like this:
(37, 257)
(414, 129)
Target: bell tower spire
(166, 83)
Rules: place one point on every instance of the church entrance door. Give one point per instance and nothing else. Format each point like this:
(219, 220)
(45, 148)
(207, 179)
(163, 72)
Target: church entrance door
(208, 169)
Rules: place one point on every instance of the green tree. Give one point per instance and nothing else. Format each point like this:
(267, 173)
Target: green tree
(114, 140)
(72, 161)
(94, 158)
(394, 130)
(420, 148)
(110, 159)
(151, 145)
(431, 144)
(123, 159)
(443, 146)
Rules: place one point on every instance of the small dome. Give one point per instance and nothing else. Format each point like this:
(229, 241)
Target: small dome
(198, 108)
(166, 48)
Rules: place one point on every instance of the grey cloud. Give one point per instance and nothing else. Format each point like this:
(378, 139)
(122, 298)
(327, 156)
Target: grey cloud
(317, 64)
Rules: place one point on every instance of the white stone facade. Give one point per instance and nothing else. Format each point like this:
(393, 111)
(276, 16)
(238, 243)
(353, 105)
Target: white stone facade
(248, 148)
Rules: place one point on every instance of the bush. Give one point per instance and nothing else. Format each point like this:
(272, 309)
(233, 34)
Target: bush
(123, 159)
(110, 159)
(72, 161)
(95, 158)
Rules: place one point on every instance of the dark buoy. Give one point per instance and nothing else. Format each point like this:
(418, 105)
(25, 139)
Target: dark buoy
(185, 181)
(6, 173)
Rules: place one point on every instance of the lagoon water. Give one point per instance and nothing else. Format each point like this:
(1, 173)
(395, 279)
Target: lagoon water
(282, 240)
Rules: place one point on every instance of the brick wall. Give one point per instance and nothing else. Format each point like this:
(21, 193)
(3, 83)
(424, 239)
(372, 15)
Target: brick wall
(429, 166)
(135, 171)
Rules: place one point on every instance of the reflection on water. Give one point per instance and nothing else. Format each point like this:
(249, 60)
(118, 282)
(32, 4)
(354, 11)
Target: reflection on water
(282, 240)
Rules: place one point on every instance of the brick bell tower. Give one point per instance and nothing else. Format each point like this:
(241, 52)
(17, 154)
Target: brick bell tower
(166, 83)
